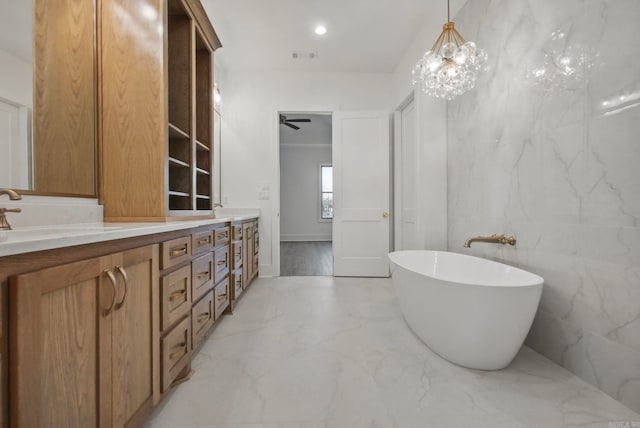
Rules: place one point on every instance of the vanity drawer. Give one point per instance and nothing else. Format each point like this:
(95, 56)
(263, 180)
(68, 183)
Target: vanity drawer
(175, 251)
(175, 290)
(202, 317)
(201, 275)
(236, 251)
(221, 260)
(176, 349)
(201, 242)
(248, 231)
(221, 295)
(221, 236)
(236, 232)
(236, 279)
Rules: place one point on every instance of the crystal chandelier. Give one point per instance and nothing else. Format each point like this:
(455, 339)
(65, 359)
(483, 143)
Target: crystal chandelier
(450, 68)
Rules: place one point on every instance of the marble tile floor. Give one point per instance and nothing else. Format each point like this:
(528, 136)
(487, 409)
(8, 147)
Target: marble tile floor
(311, 352)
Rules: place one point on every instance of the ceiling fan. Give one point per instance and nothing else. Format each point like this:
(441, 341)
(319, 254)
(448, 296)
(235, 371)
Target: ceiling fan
(287, 122)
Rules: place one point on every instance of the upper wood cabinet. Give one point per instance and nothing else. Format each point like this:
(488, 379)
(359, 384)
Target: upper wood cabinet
(64, 129)
(84, 350)
(156, 109)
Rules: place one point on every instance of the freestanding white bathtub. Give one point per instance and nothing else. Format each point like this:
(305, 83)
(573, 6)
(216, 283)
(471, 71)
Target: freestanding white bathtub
(471, 311)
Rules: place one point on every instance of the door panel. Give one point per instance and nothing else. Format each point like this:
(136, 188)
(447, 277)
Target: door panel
(132, 342)
(57, 343)
(361, 193)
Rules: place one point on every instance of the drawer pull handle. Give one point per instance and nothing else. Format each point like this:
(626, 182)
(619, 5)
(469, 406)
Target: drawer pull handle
(177, 295)
(204, 241)
(222, 263)
(203, 275)
(203, 317)
(182, 350)
(179, 252)
(222, 296)
(112, 279)
(223, 235)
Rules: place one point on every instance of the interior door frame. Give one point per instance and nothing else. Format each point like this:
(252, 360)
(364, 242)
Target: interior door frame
(275, 200)
(397, 182)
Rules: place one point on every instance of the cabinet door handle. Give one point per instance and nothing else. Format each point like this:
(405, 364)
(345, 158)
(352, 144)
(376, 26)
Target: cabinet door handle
(179, 252)
(203, 317)
(203, 275)
(125, 277)
(182, 349)
(222, 296)
(112, 279)
(222, 262)
(177, 295)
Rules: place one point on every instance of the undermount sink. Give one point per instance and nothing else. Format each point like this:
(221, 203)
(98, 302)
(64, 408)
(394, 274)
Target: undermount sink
(48, 232)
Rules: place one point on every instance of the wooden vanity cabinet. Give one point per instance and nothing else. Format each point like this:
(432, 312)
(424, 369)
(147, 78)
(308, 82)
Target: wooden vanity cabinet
(237, 257)
(99, 334)
(156, 110)
(250, 252)
(195, 292)
(222, 266)
(82, 342)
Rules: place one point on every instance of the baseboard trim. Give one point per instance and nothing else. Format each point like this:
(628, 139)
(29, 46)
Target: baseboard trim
(300, 238)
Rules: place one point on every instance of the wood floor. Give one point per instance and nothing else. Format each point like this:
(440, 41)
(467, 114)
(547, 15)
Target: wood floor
(306, 258)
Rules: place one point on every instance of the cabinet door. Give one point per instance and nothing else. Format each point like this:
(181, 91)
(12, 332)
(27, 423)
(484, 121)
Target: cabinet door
(134, 346)
(59, 319)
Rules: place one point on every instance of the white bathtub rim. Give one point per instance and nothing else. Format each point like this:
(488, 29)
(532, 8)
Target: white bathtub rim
(533, 281)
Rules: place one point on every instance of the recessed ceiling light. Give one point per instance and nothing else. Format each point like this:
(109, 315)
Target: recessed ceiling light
(321, 30)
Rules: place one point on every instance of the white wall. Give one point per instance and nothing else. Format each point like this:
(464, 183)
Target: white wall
(555, 163)
(250, 133)
(300, 192)
(431, 132)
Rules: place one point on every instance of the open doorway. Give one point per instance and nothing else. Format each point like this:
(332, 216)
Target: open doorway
(306, 194)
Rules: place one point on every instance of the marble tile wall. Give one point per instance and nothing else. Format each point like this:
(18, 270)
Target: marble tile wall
(547, 148)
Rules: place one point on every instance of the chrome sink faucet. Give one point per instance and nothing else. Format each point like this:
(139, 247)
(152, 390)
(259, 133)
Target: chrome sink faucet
(494, 239)
(14, 196)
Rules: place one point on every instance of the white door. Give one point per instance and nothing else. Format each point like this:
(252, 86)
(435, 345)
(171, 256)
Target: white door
(406, 178)
(361, 220)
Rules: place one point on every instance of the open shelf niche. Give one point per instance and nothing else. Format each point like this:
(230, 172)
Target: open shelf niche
(190, 112)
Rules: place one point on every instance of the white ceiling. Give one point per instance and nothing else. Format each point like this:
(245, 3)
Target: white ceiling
(363, 35)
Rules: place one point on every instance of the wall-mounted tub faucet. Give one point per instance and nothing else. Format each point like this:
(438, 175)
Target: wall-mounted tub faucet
(493, 239)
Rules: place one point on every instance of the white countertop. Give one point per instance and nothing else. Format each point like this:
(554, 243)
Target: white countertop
(29, 239)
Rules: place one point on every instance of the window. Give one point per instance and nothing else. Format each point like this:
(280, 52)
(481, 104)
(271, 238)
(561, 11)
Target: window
(326, 192)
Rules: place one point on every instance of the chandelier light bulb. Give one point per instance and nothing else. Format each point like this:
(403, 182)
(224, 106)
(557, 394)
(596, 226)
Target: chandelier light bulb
(450, 68)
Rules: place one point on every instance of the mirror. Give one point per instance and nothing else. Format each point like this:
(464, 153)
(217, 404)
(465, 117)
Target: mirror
(48, 97)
